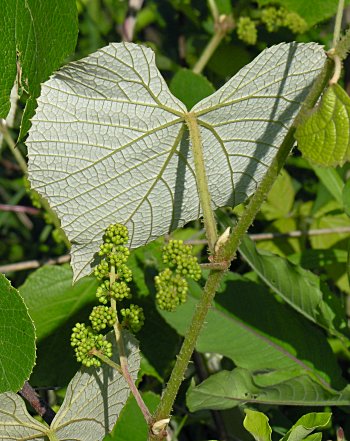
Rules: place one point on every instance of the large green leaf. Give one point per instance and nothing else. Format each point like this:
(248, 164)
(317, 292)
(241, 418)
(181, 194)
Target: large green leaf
(36, 37)
(55, 305)
(51, 297)
(93, 402)
(300, 288)
(109, 143)
(17, 339)
(229, 389)
(257, 332)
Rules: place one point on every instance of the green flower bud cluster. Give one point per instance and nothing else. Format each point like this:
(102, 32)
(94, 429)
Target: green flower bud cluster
(246, 30)
(133, 317)
(114, 275)
(274, 18)
(179, 256)
(171, 284)
(86, 342)
(101, 317)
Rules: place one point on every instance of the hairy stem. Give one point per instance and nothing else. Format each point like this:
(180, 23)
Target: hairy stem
(123, 369)
(202, 181)
(228, 250)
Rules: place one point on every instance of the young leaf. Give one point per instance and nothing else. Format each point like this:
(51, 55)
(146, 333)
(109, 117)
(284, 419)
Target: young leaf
(257, 424)
(324, 138)
(108, 141)
(16, 423)
(307, 424)
(225, 390)
(17, 339)
(36, 38)
(95, 398)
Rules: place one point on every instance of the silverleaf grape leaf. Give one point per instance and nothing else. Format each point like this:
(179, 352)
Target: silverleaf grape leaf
(109, 142)
(93, 402)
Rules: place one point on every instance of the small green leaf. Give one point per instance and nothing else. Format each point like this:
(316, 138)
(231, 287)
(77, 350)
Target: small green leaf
(307, 424)
(324, 138)
(346, 197)
(225, 390)
(36, 38)
(131, 425)
(331, 180)
(257, 424)
(17, 339)
(190, 87)
(280, 199)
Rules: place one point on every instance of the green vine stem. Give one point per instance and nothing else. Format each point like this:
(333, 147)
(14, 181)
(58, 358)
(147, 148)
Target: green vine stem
(123, 369)
(202, 181)
(228, 250)
(223, 24)
(338, 21)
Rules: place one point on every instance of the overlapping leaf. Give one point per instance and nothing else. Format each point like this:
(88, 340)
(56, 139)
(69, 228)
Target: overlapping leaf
(93, 402)
(17, 339)
(109, 142)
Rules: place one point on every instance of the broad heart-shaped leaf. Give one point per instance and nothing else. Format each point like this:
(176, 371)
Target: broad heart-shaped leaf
(93, 402)
(228, 389)
(109, 141)
(300, 288)
(257, 424)
(324, 138)
(17, 339)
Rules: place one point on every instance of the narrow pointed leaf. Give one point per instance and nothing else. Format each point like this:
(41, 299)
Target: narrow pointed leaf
(229, 389)
(17, 339)
(324, 138)
(257, 424)
(257, 332)
(300, 288)
(95, 398)
(307, 424)
(16, 423)
(109, 142)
